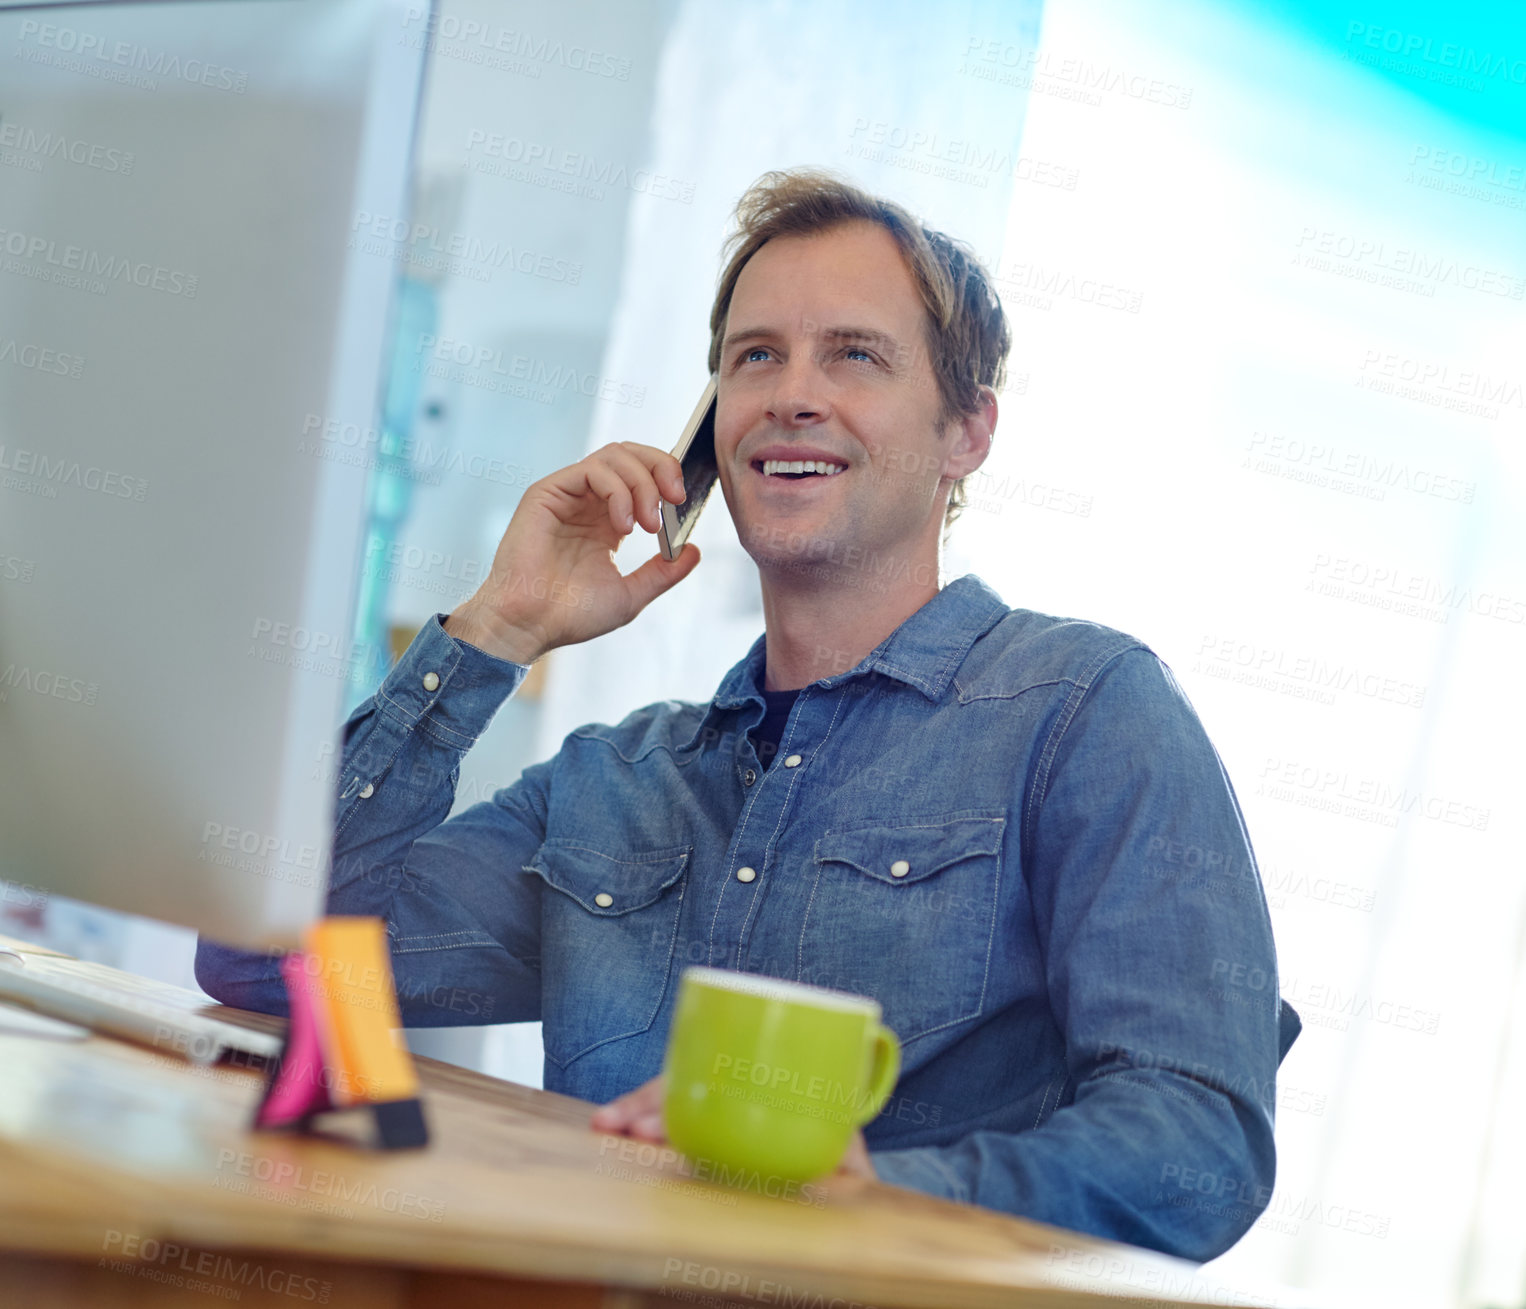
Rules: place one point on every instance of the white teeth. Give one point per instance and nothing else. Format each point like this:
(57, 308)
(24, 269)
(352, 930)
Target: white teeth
(802, 466)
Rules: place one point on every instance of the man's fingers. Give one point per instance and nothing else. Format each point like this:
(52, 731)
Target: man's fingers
(655, 474)
(631, 478)
(631, 1108)
(665, 470)
(606, 482)
(856, 1161)
(610, 1116)
(638, 480)
(615, 1116)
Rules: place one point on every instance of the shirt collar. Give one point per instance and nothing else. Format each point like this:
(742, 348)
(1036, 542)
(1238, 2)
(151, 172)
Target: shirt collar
(924, 652)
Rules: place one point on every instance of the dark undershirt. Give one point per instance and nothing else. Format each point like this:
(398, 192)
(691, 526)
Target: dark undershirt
(765, 736)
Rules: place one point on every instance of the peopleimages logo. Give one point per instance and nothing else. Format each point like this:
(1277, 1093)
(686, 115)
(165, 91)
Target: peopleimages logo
(224, 1277)
(284, 1176)
(1339, 791)
(1350, 254)
(1391, 587)
(46, 683)
(65, 471)
(485, 359)
(1466, 167)
(89, 53)
(981, 160)
(40, 359)
(441, 31)
(1441, 54)
(13, 568)
(1352, 472)
(1307, 676)
(518, 159)
(1032, 67)
(90, 270)
(425, 245)
(1468, 391)
(1037, 287)
(57, 145)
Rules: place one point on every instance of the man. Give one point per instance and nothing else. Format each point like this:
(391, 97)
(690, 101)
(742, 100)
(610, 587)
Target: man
(974, 814)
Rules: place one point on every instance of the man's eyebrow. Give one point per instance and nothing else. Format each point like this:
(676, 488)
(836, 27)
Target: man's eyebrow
(745, 334)
(868, 335)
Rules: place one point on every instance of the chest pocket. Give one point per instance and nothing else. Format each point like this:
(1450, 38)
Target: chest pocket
(607, 942)
(906, 913)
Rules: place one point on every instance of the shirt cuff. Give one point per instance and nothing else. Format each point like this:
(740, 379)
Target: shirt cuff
(921, 1169)
(446, 687)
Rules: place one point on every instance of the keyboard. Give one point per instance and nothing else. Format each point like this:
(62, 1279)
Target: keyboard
(16, 1021)
(120, 1004)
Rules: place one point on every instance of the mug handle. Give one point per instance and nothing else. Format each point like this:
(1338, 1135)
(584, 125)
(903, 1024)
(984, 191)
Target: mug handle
(883, 1073)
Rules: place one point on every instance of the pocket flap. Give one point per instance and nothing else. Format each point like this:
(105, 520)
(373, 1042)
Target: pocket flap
(908, 852)
(609, 885)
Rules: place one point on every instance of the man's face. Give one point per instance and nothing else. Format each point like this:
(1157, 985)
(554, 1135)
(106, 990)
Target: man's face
(824, 358)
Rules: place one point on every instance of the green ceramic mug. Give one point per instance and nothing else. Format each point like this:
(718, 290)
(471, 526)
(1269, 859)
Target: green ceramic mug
(772, 1077)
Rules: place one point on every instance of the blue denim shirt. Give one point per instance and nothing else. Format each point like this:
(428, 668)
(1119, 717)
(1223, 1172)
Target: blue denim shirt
(1009, 829)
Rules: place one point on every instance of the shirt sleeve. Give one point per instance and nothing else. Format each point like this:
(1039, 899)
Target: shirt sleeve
(1165, 987)
(462, 915)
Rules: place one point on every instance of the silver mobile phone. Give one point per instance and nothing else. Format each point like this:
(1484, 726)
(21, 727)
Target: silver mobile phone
(695, 451)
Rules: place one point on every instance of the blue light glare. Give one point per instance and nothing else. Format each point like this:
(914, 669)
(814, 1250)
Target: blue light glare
(1466, 60)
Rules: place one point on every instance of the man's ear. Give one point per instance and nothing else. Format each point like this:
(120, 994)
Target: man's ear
(972, 437)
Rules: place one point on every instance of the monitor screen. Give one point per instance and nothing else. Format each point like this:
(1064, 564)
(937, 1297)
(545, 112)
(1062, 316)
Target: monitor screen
(185, 325)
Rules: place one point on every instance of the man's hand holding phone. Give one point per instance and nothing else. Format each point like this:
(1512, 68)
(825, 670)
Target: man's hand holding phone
(554, 580)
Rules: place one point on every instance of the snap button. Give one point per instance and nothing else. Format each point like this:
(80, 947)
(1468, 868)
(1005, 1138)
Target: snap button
(749, 777)
(793, 761)
(746, 874)
(900, 868)
(367, 791)
(604, 899)
(431, 681)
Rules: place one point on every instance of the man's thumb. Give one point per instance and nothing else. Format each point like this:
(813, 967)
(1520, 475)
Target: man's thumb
(658, 575)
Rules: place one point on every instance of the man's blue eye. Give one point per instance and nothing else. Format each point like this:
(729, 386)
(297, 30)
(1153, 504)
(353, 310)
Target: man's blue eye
(854, 350)
(756, 350)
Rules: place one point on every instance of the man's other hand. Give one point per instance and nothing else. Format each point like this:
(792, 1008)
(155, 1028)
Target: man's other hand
(638, 1113)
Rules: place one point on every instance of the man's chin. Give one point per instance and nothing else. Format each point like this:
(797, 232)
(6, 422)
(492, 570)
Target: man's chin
(797, 574)
(775, 548)
(805, 563)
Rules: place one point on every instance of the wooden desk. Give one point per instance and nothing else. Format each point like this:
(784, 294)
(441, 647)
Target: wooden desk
(129, 1177)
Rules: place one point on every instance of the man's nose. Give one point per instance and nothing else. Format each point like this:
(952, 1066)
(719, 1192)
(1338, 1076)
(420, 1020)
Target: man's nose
(799, 397)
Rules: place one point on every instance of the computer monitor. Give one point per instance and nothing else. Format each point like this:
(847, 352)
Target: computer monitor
(188, 327)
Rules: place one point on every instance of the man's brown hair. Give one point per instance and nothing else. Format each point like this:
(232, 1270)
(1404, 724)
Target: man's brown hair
(966, 329)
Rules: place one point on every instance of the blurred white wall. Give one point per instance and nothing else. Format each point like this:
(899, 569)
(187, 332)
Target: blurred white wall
(1301, 462)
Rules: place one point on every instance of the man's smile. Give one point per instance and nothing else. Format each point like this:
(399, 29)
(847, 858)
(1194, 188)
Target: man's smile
(797, 470)
(784, 463)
